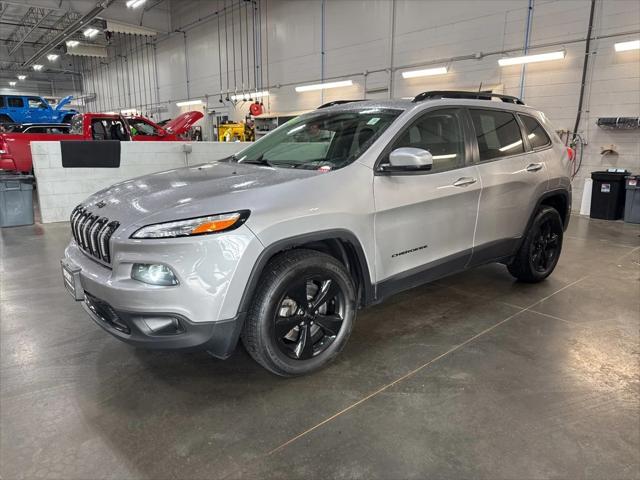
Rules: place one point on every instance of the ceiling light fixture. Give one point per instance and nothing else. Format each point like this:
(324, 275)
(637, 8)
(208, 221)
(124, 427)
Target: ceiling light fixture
(135, 3)
(541, 57)
(247, 96)
(425, 73)
(37, 67)
(72, 43)
(12, 84)
(189, 102)
(22, 77)
(626, 46)
(91, 32)
(52, 57)
(324, 86)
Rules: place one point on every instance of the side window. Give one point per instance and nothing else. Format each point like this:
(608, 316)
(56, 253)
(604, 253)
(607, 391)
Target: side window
(1, 101)
(497, 132)
(535, 133)
(441, 133)
(35, 102)
(15, 102)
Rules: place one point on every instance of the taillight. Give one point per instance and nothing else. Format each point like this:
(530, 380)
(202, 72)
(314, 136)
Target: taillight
(571, 153)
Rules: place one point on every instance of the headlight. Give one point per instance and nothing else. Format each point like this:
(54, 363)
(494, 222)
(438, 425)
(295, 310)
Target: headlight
(194, 226)
(153, 274)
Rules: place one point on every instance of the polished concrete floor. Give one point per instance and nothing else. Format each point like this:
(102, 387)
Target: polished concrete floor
(474, 376)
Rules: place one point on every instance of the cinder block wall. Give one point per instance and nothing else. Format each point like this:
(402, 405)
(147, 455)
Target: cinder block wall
(61, 189)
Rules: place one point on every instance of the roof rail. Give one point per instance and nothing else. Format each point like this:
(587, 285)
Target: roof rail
(462, 94)
(337, 102)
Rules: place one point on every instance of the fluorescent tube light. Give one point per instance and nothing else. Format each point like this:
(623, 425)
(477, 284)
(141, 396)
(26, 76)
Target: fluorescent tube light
(189, 102)
(72, 43)
(541, 57)
(52, 57)
(37, 67)
(22, 77)
(12, 84)
(424, 73)
(247, 96)
(91, 32)
(510, 146)
(625, 46)
(135, 3)
(324, 86)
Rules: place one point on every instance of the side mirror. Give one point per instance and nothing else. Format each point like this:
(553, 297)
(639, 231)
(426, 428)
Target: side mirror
(161, 132)
(408, 159)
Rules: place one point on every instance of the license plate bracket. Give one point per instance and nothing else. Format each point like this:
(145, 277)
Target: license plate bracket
(71, 279)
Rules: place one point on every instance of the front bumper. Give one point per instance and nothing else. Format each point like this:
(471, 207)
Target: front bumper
(212, 272)
(217, 338)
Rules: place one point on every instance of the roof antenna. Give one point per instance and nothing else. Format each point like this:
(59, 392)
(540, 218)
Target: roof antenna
(480, 87)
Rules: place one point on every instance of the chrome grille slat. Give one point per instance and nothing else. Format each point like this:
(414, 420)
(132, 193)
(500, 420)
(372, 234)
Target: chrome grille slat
(92, 233)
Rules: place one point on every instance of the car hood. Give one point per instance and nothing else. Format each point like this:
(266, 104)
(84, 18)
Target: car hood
(183, 122)
(205, 189)
(63, 102)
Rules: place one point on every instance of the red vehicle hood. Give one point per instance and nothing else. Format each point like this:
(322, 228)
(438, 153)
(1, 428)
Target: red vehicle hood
(182, 123)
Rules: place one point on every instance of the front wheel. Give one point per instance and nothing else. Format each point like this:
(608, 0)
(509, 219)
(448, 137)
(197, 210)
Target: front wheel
(302, 313)
(539, 253)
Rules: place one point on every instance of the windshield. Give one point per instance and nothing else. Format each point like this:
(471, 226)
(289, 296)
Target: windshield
(325, 140)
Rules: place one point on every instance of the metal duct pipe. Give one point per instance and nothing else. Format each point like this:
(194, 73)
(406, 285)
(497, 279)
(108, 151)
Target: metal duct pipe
(70, 30)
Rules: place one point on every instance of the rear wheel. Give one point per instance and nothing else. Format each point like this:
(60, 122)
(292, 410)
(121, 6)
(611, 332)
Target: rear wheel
(540, 250)
(5, 119)
(302, 313)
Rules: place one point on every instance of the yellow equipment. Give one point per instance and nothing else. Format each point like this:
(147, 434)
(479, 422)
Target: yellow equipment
(235, 132)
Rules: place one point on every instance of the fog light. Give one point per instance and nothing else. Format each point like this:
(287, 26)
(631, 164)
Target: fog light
(164, 325)
(153, 274)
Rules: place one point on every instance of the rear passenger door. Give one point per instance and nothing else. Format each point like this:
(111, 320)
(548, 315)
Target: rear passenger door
(15, 108)
(512, 181)
(424, 220)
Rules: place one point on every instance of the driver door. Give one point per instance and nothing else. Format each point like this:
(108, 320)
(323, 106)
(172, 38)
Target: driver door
(425, 220)
(38, 112)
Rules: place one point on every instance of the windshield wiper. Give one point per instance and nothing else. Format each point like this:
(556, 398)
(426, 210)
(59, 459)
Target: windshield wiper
(258, 161)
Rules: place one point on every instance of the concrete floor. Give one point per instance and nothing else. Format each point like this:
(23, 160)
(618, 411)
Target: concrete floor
(474, 376)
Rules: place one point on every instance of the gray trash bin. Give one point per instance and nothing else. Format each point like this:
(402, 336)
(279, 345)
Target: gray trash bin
(632, 201)
(16, 200)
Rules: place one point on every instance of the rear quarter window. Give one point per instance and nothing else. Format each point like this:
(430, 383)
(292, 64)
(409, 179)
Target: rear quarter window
(15, 102)
(534, 132)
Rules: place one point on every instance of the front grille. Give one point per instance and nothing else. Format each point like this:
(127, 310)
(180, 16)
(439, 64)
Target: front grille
(106, 313)
(92, 233)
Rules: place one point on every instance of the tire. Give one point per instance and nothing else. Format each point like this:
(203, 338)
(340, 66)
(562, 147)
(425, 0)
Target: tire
(5, 119)
(286, 336)
(67, 119)
(539, 253)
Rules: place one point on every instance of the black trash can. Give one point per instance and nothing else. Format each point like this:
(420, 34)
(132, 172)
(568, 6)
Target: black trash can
(632, 202)
(607, 195)
(16, 200)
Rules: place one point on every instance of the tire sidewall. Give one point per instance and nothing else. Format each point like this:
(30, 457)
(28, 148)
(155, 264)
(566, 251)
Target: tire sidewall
(547, 214)
(270, 302)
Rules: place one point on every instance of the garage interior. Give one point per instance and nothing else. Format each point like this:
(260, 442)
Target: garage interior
(475, 375)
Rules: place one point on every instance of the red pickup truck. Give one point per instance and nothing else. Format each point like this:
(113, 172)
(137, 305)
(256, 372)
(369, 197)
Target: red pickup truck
(15, 147)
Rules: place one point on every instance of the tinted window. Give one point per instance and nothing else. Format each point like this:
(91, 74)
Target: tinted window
(497, 132)
(15, 102)
(440, 133)
(1, 102)
(534, 132)
(35, 102)
(139, 127)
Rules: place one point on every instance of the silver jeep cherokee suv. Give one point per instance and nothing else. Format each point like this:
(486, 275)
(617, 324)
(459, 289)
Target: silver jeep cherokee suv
(337, 209)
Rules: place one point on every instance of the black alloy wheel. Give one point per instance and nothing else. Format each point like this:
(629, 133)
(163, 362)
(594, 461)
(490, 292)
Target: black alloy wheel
(545, 247)
(301, 314)
(309, 316)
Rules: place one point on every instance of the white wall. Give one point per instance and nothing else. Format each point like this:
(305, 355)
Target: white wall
(61, 189)
(357, 39)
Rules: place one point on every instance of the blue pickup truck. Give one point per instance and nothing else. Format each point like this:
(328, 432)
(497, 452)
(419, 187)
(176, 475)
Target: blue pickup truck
(33, 109)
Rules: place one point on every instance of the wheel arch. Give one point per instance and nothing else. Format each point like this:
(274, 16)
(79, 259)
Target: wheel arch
(558, 199)
(341, 244)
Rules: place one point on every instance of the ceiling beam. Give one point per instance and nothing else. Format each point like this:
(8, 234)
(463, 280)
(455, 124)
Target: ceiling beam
(29, 22)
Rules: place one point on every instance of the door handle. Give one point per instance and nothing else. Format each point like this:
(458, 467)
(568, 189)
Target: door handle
(464, 181)
(534, 167)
